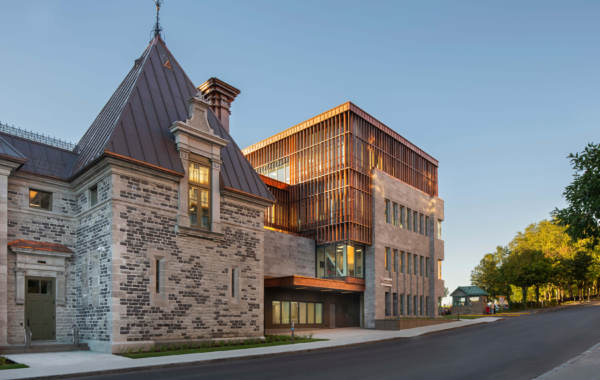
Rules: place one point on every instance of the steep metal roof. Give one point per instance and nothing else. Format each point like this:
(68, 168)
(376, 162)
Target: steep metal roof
(10, 152)
(135, 123)
(40, 158)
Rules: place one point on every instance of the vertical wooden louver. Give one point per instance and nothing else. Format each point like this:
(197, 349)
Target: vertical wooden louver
(330, 158)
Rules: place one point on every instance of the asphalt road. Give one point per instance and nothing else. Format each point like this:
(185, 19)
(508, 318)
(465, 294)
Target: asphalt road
(516, 348)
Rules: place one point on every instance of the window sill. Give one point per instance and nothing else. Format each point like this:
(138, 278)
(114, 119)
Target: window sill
(198, 232)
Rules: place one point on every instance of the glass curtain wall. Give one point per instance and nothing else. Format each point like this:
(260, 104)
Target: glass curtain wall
(340, 260)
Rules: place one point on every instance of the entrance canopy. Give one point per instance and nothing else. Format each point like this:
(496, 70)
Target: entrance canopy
(347, 284)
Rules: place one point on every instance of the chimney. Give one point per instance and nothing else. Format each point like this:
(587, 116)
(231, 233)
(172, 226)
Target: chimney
(220, 95)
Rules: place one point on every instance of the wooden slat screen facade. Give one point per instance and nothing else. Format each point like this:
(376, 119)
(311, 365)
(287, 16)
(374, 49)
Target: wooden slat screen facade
(328, 192)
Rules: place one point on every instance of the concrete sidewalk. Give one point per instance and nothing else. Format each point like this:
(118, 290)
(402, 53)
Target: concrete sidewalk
(583, 367)
(78, 362)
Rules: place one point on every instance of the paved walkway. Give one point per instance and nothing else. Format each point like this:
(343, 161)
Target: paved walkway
(583, 367)
(74, 362)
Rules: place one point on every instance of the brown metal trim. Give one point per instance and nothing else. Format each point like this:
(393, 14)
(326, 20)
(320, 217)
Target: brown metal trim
(142, 163)
(247, 194)
(349, 284)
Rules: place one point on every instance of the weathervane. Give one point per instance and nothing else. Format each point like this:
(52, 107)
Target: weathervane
(157, 28)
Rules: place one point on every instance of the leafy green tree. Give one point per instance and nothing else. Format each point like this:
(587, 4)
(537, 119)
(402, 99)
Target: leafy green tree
(526, 268)
(582, 215)
(488, 276)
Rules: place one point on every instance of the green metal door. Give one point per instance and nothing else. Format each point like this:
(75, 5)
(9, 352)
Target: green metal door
(40, 310)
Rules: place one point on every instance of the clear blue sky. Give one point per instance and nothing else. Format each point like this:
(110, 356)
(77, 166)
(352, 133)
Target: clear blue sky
(499, 92)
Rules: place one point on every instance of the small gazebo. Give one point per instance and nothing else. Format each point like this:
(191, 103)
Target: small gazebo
(469, 300)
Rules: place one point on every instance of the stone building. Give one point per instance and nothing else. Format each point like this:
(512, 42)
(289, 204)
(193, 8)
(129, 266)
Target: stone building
(149, 229)
(354, 238)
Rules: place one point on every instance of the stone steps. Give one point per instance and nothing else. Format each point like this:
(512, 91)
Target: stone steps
(39, 348)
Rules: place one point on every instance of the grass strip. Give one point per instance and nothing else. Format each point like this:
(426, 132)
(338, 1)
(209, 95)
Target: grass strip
(9, 364)
(197, 350)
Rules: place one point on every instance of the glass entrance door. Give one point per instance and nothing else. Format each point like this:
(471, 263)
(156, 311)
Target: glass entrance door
(40, 310)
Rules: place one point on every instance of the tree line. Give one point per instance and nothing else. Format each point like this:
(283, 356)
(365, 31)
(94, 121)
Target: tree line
(553, 260)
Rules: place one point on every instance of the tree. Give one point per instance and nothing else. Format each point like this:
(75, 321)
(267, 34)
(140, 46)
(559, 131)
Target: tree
(488, 276)
(525, 268)
(582, 215)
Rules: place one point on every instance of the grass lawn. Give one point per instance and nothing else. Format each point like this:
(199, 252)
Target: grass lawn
(9, 364)
(270, 340)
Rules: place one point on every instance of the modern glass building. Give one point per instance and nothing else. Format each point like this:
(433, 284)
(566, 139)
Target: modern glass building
(322, 174)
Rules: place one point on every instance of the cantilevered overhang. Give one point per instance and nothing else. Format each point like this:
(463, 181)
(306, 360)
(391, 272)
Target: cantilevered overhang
(347, 284)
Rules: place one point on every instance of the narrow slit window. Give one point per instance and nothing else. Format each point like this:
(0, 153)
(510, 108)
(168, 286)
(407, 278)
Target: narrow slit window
(93, 195)
(234, 282)
(158, 277)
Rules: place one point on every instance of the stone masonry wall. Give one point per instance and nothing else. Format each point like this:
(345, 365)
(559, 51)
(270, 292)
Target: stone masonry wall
(378, 279)
(287, 254)
(56, 226)
(90, 285)
(195, 300)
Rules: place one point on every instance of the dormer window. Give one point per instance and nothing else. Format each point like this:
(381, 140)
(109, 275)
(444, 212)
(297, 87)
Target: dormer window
(199, 192)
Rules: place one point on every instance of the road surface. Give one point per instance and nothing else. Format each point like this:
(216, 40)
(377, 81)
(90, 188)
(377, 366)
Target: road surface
(515, 348)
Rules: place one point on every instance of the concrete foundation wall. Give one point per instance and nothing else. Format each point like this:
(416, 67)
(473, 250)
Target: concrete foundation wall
(287, 254)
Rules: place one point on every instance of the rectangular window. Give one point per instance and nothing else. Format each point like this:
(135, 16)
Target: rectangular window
(401, 304)
(426, 226)
(94, 195)
(387, 258)
(416, 265)
(427, 269)
(40, 199)
(421, 224)
(421, 305)
(395, 303)
(294, 312)
(311, 313)
(234, 282)
(387, 211)
(199, 193)
(358, 260)
(318, 313)
(321, 262)
(408, 256)
(409, 219)
(158, 275)
(302, 312)
(33, 286)
(408, 309)
(350, 260)
(427, 305)
(402, 262)
(387, 304)
(439, 269)
(415, 221)
(396, 260)
(415, 305)
(276, 306)
(439, 229)
(285, 312)
(402, 217)
(395, 214)
(421, 265)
